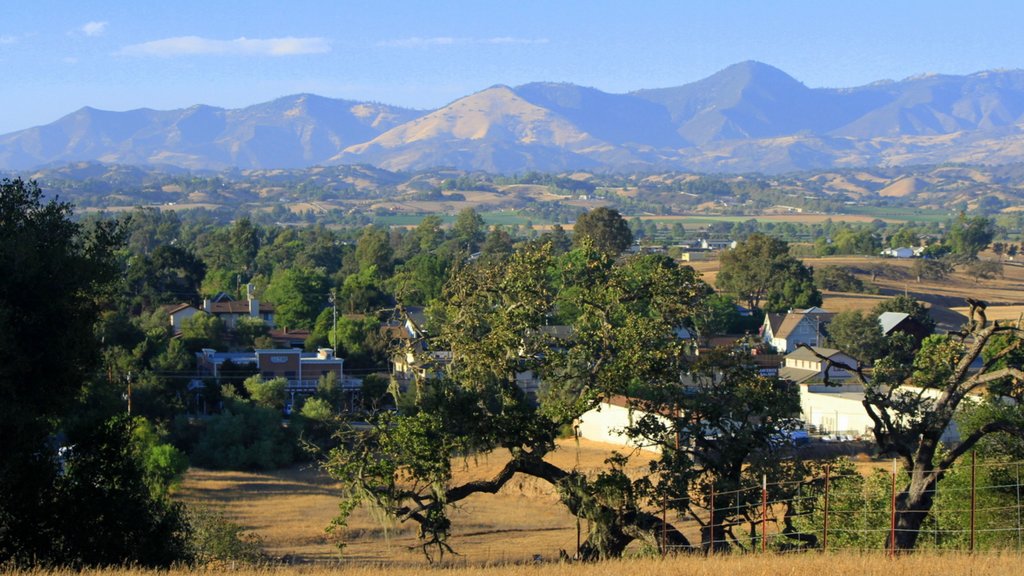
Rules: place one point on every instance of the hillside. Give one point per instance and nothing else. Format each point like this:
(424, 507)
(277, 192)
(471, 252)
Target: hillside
(894, 194)
(749, 117)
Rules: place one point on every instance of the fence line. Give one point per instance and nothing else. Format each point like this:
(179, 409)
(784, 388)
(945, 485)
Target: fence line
(977, 506)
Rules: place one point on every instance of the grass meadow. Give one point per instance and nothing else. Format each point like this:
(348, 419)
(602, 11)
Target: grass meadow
(747, 565)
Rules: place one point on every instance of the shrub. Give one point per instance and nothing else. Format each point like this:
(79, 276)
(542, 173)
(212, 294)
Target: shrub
(245, 437)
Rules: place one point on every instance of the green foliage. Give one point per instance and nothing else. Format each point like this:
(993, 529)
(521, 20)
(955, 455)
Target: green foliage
(374, 250)
(606, 229)
(202, 331)
(248, 330)
(932, 268)
(317, 409)
(269, 393)
(57, 275)
(162, 464)
(936, 361)
(858, 335)
(361, 292)
(761, 270)
(244, 437)
(216, 540)
(970, 235)
(909, 306)
(298, 295)
(839, 279)
(112, 518)
(494, 323)
(717, 316)
(468, 230)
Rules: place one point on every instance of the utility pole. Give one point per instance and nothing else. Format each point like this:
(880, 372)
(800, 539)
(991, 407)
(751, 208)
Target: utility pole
(333, 299)
(128, 396)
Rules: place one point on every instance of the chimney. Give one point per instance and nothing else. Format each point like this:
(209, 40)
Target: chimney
(206, 304)
(325, 354)
(254, 304)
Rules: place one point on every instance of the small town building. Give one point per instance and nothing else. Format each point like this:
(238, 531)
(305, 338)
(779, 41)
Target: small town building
(786, 332)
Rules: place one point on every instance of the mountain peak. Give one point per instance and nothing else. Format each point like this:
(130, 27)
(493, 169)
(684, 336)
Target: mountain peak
(750, 116)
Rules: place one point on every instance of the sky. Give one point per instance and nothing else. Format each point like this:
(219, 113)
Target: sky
(58, 56)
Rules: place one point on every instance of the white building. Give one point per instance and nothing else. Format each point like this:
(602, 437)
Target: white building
(786, 332)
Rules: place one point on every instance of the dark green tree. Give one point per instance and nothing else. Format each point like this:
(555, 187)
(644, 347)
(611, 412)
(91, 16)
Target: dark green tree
(468, 230)
(858, 335)
(622, 341)
(761, 272)
(58, 273)
(606, 228)
(970, 235)
(298, 296)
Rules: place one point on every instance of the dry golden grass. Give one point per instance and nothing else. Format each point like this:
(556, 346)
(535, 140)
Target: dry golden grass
(946, 297)
(866, 564)
(289, 509)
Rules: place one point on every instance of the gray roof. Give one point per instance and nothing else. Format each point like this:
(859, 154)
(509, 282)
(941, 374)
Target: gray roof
(890, 320)
(802, 353)
(797, 375)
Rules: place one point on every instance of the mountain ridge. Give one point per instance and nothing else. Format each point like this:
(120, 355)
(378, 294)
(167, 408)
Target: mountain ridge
(747, 117)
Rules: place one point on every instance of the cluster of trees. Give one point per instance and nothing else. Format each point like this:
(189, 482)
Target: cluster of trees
(79, 484)
(84, 483)
(715, 420)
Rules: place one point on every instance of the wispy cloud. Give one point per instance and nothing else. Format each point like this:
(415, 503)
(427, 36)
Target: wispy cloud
(197, 46)
(94, 28)
(8, 39)
(418, 42)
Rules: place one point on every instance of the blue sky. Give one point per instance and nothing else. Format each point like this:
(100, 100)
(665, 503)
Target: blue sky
(58, 56)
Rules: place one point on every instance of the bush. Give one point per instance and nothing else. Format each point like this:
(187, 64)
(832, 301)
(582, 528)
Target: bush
(215, 539)
(837, 279)
(245, 437)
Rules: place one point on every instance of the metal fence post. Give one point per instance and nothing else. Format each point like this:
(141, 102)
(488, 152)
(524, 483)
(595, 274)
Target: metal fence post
(711, 523)
(1018, 508)
(764, 512)
(892, 513)
(664, 527)
(824, 532)
(974, 461)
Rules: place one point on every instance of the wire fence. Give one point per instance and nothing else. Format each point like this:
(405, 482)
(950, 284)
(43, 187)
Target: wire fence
(977, 506)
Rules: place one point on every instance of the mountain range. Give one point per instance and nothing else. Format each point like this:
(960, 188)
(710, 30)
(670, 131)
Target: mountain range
(749, 117)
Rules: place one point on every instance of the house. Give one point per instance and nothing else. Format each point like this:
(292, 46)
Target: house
(302, 370)
(229, 311)
(785, 332)
(179, 314)
(224, 307)
(608, 421)
(706, 244)
(901, 252)
(892, 322)
(835, 408)
(285, 338)
(805, 365)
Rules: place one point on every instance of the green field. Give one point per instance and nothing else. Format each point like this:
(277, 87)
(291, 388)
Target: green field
(495, 218)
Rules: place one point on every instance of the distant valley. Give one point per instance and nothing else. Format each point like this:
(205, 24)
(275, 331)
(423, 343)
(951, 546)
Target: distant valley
(750, 117)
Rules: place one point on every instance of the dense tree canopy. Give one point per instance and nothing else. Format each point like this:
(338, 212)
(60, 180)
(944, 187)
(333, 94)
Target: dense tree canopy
(56, 275)
(761, 273)
(606, 229)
